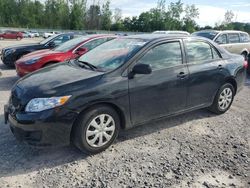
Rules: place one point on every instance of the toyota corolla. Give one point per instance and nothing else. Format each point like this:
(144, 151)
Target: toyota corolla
(121, 84)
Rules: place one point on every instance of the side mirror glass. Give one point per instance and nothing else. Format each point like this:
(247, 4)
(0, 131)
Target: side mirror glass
(140, 69)
(81, 51)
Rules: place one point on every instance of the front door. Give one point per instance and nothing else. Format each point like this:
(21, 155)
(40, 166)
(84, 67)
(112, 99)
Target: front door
(164, 91)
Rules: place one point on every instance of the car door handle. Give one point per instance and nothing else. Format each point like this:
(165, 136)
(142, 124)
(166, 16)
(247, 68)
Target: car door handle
(182, 75)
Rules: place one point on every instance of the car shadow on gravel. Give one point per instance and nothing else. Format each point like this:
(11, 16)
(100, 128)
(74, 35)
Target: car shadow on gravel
(247, 82)
(164, 123)
(18, 158)
(6, 83)
(4, 67)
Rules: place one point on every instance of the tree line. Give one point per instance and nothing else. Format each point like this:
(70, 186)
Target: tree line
(76, 15)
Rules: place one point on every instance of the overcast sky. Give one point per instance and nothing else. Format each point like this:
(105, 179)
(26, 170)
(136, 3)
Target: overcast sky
(211, 11)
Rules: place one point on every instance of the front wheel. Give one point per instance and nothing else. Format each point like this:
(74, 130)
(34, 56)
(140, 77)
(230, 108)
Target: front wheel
(223, 99)
(96, 129)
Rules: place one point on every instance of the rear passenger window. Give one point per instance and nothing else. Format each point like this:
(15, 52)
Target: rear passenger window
(163, 56)
(244, 37)
(198, 52)
(233, 38)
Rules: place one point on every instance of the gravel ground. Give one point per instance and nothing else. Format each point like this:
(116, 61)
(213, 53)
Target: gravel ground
(197, 149)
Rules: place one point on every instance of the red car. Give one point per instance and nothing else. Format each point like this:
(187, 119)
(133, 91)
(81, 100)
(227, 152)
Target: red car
(68, 50)
(11, 35)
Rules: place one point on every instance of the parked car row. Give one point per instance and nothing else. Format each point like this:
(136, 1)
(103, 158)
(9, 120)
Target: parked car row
(105, 83)
(13, 53)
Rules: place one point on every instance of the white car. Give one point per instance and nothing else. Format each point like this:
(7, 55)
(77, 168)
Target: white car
(172, 32)
(49, 34)
(35, 33)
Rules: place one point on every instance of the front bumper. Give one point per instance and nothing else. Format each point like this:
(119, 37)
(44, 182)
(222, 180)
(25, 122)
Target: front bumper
(7, 60)
(47, 128)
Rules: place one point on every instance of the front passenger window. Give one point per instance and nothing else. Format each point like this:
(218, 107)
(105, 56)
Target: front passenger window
(222, 39)
(163, 56)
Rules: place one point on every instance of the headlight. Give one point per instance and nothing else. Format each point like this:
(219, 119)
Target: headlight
(31, 61)
(40, 104)
(9, 51)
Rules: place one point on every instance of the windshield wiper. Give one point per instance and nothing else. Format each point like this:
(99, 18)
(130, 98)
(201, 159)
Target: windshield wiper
(84, 64)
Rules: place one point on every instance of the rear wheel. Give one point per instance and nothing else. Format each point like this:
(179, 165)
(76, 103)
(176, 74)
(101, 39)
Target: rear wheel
(223, 99)
(96, 129)
(1, 38)
(18, 38)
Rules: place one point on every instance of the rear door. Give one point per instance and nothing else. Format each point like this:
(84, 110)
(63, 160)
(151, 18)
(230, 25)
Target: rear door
(234, 46)
(164, 91)
(206, 71)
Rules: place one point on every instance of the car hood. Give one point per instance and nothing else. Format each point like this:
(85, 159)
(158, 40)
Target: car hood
(23, 46)
(56, 80)
(38, 54)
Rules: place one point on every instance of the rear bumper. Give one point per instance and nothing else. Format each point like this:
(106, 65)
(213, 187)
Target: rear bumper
(48, 128)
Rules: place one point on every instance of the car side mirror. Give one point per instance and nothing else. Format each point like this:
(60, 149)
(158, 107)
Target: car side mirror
(140, 69)
(52, 44)
(81, 51)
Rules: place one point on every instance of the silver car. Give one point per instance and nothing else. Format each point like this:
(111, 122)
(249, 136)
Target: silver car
(237, 42)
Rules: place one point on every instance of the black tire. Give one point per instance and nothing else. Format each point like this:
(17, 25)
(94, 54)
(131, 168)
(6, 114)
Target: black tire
(79, 137)
(18, 38)
(1, 38)
(215, 107)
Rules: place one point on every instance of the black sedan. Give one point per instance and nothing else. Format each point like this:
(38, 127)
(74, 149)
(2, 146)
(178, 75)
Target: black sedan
(120, 84)
(10, 54)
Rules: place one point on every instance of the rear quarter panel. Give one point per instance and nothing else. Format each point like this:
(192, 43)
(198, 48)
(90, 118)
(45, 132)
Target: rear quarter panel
(235, 65)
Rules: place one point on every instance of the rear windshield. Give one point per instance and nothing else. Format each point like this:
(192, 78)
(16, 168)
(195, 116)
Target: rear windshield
(209, 35)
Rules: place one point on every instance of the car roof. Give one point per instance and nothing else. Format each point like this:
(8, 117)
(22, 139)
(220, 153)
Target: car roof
(98, 35)
(150, 37)
(218, 31)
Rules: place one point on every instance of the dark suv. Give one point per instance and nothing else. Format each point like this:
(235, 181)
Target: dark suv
(13, 53)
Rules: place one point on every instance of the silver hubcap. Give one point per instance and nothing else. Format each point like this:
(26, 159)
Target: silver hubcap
(225, 98)
(100, 130)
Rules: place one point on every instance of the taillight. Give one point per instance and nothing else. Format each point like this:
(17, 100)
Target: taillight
(245, 64)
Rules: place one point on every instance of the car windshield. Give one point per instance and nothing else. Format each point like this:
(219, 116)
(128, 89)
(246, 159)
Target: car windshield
(48, 39)
(209, 35)
(112, 54)
(70, 44)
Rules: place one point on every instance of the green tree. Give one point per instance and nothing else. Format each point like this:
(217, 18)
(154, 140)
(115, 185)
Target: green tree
(77, 14)
(106, 16)
(191, 12)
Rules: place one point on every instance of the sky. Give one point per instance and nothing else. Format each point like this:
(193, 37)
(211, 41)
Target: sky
(211, 11)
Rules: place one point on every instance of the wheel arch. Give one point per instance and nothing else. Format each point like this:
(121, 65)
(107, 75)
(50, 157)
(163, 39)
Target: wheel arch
(49, 62)
(119, 111)
(232, 81)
